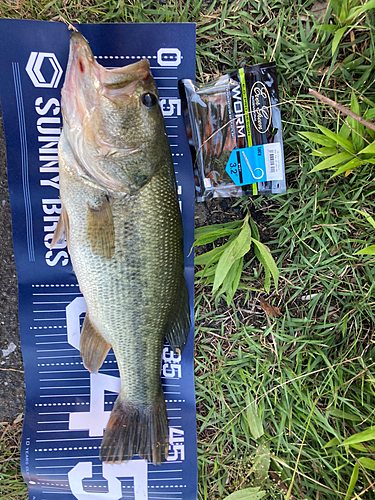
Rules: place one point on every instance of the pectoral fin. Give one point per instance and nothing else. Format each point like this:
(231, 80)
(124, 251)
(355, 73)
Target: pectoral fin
(100, 228)
(93, 348)
(62, 229)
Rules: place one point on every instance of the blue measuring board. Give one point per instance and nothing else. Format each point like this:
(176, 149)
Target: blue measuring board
(67, 408)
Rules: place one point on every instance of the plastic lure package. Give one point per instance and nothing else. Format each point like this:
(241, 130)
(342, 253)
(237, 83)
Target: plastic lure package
(235, 126)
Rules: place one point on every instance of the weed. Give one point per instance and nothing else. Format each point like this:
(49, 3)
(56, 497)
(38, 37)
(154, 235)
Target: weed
(347, 149)
(12, 485)
(223, 265)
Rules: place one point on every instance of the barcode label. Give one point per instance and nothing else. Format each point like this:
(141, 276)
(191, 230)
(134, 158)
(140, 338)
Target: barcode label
(273, 161)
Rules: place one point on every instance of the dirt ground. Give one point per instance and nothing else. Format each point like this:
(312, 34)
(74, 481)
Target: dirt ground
(12, 385)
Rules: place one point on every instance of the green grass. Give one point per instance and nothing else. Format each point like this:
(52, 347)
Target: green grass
(12, 484)
(276, 397)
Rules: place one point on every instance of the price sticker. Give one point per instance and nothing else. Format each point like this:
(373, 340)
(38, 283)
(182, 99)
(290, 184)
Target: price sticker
(255, 164)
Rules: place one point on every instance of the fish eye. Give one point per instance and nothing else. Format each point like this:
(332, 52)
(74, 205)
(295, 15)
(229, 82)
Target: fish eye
(149, 100)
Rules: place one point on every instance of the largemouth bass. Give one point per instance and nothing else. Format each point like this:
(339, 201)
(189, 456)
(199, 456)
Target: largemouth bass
(123, 227)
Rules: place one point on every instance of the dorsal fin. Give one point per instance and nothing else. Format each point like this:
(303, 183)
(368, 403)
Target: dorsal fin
(178, 325)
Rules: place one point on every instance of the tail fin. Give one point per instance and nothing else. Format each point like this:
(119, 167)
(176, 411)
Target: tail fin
(136, 429)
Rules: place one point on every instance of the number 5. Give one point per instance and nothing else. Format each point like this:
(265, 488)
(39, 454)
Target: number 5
(137, 469)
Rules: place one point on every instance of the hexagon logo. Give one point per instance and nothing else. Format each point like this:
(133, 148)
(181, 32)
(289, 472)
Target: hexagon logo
(44, 69)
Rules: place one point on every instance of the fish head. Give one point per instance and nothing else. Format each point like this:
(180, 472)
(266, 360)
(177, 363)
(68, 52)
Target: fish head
(113, 119)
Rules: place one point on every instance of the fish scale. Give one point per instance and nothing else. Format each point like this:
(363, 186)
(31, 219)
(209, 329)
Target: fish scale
(123, 227)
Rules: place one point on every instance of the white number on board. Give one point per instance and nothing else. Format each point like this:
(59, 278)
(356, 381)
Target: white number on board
(135, 469)
(171, 364)
(176, 444)
(169, 57)
(96, 419)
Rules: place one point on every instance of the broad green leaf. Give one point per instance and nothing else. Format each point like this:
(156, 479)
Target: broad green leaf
(212, 236)
(336, 6)
(344, 131)
(236, 281)
(267, 274)
(336, 39)
(209, 268)
(344, 11)
(268, 261)
(368, 102)
(319, 139)
(352, 482)
(361, 447)
(360, 437)
(343, 414)
(206, 273)
(358, 129)
(332, 161)
(227, 282)
(254, 229)
(330, 28)
(336, 138)
(356, 11)
(267, 279)
(370, 250)
(324, 151)
(354, 104)
(369, 114)
(368, 149)
(332, 442)
(232, 280)
(255, 423)
(367, 463)
(350, 165)
(216, 227)
(205, 258)
(367, 216)
(261, 464)
(246, 494)
(237, 249)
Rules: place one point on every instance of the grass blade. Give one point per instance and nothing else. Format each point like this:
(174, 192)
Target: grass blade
(255, 423)
(246, 494)
(352, 482)
(336, 138)
(360, 437)
(333, 161)
(367, 463)
(336, 39)
(268, 261)
(370, 250)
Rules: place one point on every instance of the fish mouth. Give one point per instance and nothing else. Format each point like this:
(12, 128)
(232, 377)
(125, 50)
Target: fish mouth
(86, 81)
(109, 82)
(86, 84)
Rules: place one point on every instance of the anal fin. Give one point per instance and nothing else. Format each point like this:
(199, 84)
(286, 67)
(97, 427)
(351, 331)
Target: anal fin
(178, 325)
(93, 348)
(100, 228)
